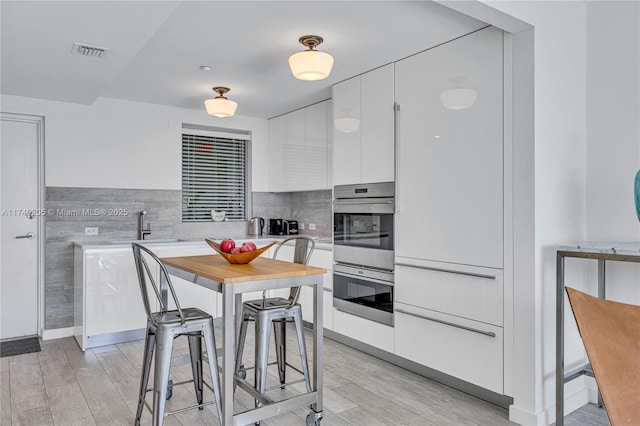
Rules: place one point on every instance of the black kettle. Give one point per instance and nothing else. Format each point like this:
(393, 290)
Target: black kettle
(256, 225)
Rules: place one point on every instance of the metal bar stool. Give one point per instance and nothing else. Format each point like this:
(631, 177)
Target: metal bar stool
(162, 328)
(278, 311)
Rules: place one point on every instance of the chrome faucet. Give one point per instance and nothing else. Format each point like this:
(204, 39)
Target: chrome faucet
(141, 231)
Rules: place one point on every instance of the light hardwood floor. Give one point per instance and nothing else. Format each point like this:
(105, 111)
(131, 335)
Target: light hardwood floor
(64, 386)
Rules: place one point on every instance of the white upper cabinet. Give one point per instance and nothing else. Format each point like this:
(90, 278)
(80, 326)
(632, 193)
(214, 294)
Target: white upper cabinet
(294, 151)
(363, 146)
(316, 146)
(450, 149)
(299, 150)
(277, 135)
(378, 148)
(347, 120)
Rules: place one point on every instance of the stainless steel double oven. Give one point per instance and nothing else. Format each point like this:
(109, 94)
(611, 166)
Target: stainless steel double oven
(363, 250)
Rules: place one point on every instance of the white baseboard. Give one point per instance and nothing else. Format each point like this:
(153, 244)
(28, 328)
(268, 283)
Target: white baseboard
(57, 333)
(577, 393)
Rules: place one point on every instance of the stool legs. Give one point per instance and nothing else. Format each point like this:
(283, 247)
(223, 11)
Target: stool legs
(164, 343)
(280, 336)
(262, 332)
(212, 355)
(195, 352)
(297, 317)
(149, 345)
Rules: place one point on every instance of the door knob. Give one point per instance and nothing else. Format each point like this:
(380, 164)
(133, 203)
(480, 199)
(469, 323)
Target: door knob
(28, 236)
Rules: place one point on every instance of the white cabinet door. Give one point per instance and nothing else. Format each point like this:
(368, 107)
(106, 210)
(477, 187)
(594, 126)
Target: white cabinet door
(113, 301)
(346, 136)
(277, 135)
(468, 350)
(294, 151)
(450, 168)
(377, 100)
(316, 146)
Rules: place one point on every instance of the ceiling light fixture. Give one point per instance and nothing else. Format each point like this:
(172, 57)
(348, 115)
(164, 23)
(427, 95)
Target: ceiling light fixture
(205, 67)
(220, 106)
(310, 64)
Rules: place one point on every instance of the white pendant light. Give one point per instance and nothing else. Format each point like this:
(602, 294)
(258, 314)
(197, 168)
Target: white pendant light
(310, 64)
(220, 106)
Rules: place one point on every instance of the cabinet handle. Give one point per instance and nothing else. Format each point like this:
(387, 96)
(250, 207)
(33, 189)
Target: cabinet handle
(474, 330)
(450, 271)
(327, 289)
(396, 165)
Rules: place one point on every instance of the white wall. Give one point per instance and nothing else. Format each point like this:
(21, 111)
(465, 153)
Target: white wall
(123, 144)
(613, 143)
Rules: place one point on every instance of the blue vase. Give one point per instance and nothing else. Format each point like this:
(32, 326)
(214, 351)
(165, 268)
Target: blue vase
(636, 189)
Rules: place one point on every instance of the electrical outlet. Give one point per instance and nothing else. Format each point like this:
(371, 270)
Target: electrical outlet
(312, 227)
(301, 225)
(90, 231)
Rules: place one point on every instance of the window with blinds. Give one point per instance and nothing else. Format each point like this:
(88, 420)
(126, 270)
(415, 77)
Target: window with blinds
(214, 177)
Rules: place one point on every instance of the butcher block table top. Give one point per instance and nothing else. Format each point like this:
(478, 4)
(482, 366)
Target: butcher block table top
(216, 268)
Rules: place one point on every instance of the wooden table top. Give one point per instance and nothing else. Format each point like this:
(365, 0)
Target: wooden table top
(217, 269)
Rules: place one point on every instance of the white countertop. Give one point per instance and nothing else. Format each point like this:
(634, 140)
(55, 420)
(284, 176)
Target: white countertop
(322, 243)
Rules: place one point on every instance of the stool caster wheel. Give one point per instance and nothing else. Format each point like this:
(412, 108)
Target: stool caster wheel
(169, 389)
(313, 418)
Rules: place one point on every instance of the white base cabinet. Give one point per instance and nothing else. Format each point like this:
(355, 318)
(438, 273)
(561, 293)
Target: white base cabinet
(108, 305)
(366, 331)
(461, 290)
(465, 349)
(107, 297)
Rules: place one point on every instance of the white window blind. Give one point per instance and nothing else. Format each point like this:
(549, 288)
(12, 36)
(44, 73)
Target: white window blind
(214, 176)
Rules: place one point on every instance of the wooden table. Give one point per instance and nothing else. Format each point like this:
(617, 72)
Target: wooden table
(213, 272)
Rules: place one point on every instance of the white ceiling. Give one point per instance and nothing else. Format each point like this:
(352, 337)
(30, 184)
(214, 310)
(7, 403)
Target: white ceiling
(157, 47)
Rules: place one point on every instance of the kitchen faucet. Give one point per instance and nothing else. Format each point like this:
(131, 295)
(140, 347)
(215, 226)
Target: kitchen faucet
(141, 231)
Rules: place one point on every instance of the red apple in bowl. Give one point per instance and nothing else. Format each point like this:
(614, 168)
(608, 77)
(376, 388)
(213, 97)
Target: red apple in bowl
(251, 245)
(247, 247)
(235, 250)
(227, 245)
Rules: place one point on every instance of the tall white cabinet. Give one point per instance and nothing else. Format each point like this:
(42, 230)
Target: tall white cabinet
(450, 227)
(363, 115)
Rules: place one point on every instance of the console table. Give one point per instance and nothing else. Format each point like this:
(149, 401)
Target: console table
(602, 252)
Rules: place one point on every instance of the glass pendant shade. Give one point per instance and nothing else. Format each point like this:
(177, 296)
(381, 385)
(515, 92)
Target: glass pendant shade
(459, 98)
(220, 106)
(310, 64)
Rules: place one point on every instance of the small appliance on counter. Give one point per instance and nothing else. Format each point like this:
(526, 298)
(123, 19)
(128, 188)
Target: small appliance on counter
(256, 226)
(276, 227)
(290, 227)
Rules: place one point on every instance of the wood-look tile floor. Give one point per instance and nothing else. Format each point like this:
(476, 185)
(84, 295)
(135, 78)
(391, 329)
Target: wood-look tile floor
(64, 386)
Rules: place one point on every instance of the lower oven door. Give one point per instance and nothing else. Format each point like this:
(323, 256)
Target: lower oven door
(364, 297)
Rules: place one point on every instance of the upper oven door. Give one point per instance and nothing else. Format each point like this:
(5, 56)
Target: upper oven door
(364, 232)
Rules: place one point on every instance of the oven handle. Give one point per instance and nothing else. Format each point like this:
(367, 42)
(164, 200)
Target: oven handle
(380, 205)
(463, 327)
(363, 277)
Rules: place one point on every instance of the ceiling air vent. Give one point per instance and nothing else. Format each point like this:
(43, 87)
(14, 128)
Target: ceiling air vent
(88, 50)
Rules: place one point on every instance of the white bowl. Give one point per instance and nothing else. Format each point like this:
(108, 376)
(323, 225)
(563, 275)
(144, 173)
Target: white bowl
(217, 216)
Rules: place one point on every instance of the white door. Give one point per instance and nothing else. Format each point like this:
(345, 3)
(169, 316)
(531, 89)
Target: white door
(20, 220)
